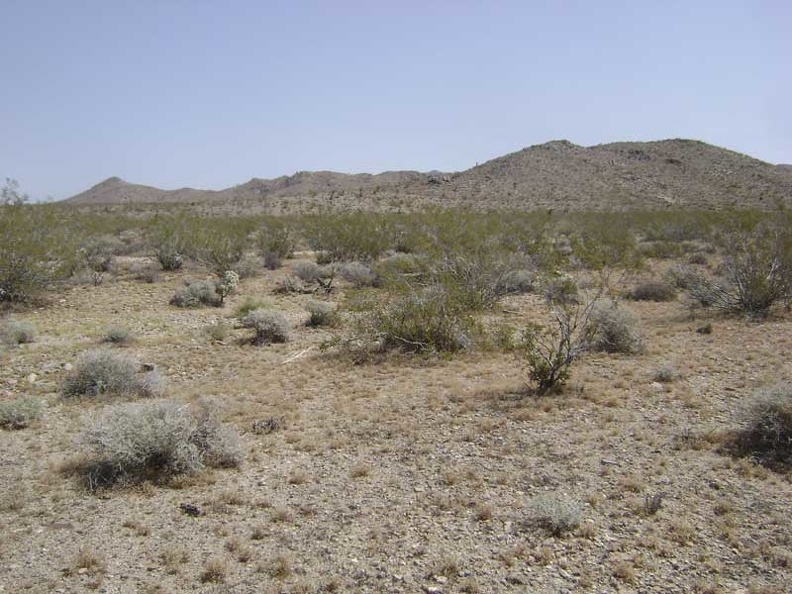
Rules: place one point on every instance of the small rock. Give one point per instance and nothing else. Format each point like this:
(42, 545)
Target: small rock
(657, 386)
(82, 570)
(32, 378)
(68, 366)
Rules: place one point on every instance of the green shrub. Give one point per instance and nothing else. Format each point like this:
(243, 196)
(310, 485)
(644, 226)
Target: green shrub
(350, 236)
(429, 320)
(756, 272)
(219, 331)
(269, 326)
(615, 329)
(156, 440)
(767, 426)
(322, 313)
(249, 304)
(310, 272)
(551, 350)
(652, 291)
(14, 332)
(561, 289)
(19, 413)
(276, 239)
(38, 246)
(196, 294)
(103, 372)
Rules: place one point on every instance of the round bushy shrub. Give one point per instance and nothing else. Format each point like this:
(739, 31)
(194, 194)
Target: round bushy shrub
(14, 332)
(359, 275)
(102, 372)
(615, 329)
(157, 439)
(322, 314)
(19, 413)
(197, 294)
(268, 326)
(767, 421)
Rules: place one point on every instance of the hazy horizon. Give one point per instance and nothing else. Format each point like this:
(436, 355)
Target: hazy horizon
(179, 93)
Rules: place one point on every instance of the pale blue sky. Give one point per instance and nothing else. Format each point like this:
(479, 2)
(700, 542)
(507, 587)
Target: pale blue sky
(208, 94)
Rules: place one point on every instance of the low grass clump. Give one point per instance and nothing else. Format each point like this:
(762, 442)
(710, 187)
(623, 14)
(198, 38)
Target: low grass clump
(103, 372)
(116, 335)
(157, 440)
(19, 413)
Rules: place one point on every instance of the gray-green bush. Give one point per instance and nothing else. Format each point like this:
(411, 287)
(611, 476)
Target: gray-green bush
(156, 440)
(268, 326)
(14, 332)
(615, 329)
(197, 293)
(767, 426)
(556, 513)
(104, 372)
(322, 313)
(19, 413)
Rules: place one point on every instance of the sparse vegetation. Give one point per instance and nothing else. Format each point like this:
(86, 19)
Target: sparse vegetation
(322, 313)
(196, 294)
(116, 335)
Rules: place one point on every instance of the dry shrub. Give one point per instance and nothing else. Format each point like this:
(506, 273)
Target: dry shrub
(557, 514)
(268, 326)
(101, 372)
(134, 441)
(767, 427)
(196, 294)
(652, 291)
(19, 413)
(615, 329)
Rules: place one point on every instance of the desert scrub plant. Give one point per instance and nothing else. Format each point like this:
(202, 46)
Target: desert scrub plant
(652, 291)
(359, 275)
(197, 293)
(37, 246)
(14, 332)
(156, 440)
(116, 335)
(276, 239)
(349, 236)
(756, 272)
(615, 329)
(268, 326)
(19, 413)
(550, 350)
(103, 372)
(767, 426)
(322, 313)
(310, 272)
(556, 513)
(421, 321)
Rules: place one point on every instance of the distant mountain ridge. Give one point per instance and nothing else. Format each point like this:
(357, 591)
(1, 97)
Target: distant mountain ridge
(553, 175)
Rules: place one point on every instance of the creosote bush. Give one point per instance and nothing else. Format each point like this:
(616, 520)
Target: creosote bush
(269, 326)
(104, 372)
(156, 440)
(429, 320)
(767, 426)
(551, 350)
(19, 413)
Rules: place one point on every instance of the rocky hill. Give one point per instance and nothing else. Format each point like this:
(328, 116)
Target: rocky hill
(555, 175)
